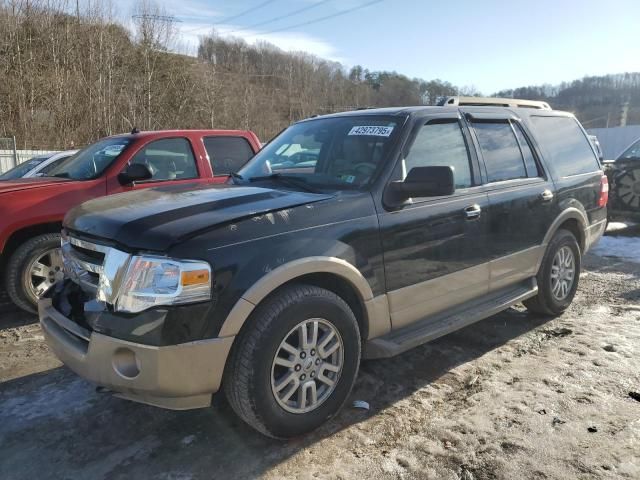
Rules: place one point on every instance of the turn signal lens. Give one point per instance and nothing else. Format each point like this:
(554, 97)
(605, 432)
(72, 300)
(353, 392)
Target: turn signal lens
(195, 277)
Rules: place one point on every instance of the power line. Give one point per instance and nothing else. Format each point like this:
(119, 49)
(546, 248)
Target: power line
(281, 17)
(160, 18)
(322, 19)
(241, 14)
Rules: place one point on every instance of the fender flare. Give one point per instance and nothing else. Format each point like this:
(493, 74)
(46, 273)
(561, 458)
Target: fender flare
(290, 271)
(570, 213)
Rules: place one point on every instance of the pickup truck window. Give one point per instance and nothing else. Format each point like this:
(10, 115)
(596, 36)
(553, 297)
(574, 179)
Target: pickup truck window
(227, 154)
(441, 144)
(90, 162)
(333, 153)
(500, 151)
(168, 159)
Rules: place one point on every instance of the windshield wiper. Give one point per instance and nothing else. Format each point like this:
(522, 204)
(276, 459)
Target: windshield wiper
(61, 175)
(290, 180)
(236, 176)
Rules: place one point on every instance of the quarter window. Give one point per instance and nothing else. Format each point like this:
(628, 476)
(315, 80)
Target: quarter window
(168, 159)
(500, 151)
(566, 144)
(440, 145)
(227, 154)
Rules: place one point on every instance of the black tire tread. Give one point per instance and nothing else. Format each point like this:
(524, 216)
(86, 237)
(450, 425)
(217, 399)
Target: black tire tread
(239, 369)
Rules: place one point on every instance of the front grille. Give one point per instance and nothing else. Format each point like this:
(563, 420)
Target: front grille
(90, 255)
(95, 268)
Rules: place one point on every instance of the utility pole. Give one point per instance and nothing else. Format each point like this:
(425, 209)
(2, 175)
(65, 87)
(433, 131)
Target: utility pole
(624, 111)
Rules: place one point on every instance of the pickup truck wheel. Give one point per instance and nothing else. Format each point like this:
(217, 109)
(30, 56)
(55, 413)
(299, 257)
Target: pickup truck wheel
(558, 276)
(32, 269)
(293, 366)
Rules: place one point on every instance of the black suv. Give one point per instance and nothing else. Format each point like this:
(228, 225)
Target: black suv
(401, 225)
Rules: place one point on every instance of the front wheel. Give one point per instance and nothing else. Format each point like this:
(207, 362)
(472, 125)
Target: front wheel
(32, 269)
(295, 362)
(558, 276)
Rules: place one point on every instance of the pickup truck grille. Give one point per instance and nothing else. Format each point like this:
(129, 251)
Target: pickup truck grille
(96, 268)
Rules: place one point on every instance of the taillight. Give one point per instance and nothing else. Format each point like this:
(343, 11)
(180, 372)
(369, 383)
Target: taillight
(604, 191)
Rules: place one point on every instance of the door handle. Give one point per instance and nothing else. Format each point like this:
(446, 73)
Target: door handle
(472, 212)
(546, 196)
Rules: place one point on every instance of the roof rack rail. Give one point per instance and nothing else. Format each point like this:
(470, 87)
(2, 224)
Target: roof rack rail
(493, 102)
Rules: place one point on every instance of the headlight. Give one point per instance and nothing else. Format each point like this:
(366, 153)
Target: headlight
(154, 281)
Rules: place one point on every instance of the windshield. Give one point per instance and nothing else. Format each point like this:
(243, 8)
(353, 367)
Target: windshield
(24, 168)
(340, 152)
(92, 161)
(633, 152)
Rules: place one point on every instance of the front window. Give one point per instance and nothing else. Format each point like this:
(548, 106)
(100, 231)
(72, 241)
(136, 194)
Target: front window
(22, 169)
(631, 153)
(168, 159)
(92, 161)
(335, 153)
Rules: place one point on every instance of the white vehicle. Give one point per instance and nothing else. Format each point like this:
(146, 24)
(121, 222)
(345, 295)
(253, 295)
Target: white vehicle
(37, 166)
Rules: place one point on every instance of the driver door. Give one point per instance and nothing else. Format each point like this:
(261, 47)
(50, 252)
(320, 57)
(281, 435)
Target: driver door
(170, 160)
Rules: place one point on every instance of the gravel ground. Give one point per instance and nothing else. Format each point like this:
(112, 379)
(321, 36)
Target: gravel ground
(513, 396)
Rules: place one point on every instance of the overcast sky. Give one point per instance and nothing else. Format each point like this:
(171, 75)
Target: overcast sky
(488, 44)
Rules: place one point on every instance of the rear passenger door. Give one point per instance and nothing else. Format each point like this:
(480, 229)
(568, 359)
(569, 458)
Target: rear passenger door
(521, 197)
(227, 154)
(435, 248)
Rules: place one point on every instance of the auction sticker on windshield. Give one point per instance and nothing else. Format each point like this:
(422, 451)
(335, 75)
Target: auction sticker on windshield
(371, 131)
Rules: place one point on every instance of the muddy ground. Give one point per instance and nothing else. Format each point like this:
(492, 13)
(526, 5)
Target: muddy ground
(515, 396)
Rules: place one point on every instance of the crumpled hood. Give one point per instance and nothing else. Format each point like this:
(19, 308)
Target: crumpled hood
(7, 186)
(157, 218)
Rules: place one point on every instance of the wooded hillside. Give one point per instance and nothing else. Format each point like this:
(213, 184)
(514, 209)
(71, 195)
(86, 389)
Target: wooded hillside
(70, 77)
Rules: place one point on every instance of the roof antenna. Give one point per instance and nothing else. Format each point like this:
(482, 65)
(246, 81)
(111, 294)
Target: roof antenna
(135, 130)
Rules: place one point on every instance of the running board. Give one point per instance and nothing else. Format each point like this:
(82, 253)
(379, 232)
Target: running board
(436, 326)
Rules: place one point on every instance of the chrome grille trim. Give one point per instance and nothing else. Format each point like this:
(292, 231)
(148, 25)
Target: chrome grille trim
(88, 245)
(107, 275)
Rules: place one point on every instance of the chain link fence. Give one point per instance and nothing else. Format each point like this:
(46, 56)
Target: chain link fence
(10, 156)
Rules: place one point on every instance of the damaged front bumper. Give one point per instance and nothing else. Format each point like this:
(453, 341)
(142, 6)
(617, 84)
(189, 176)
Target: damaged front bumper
(177, 377)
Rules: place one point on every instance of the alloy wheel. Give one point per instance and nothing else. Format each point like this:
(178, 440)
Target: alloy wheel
(563, 271)
(43, 271)
(307, 366)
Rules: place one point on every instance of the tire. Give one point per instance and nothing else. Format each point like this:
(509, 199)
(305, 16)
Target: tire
(546, 302)
(17, 278)
(250, 376)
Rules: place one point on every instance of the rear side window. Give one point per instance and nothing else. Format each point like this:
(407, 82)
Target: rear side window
(500, 151)
(566, 144)
(227, 154)
(441, 145)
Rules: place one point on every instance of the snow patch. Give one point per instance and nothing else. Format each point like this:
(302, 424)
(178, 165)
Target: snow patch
(627, 248)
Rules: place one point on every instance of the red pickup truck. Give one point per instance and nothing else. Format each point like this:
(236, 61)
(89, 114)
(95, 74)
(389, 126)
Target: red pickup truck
(31, 210)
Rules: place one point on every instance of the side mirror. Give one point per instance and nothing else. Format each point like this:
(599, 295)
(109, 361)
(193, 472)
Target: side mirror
(425, 182)
(134, 173)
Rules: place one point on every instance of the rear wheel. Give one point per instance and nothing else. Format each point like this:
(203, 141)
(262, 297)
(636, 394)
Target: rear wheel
(32, 269)
(558, 276)
(295, 363)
